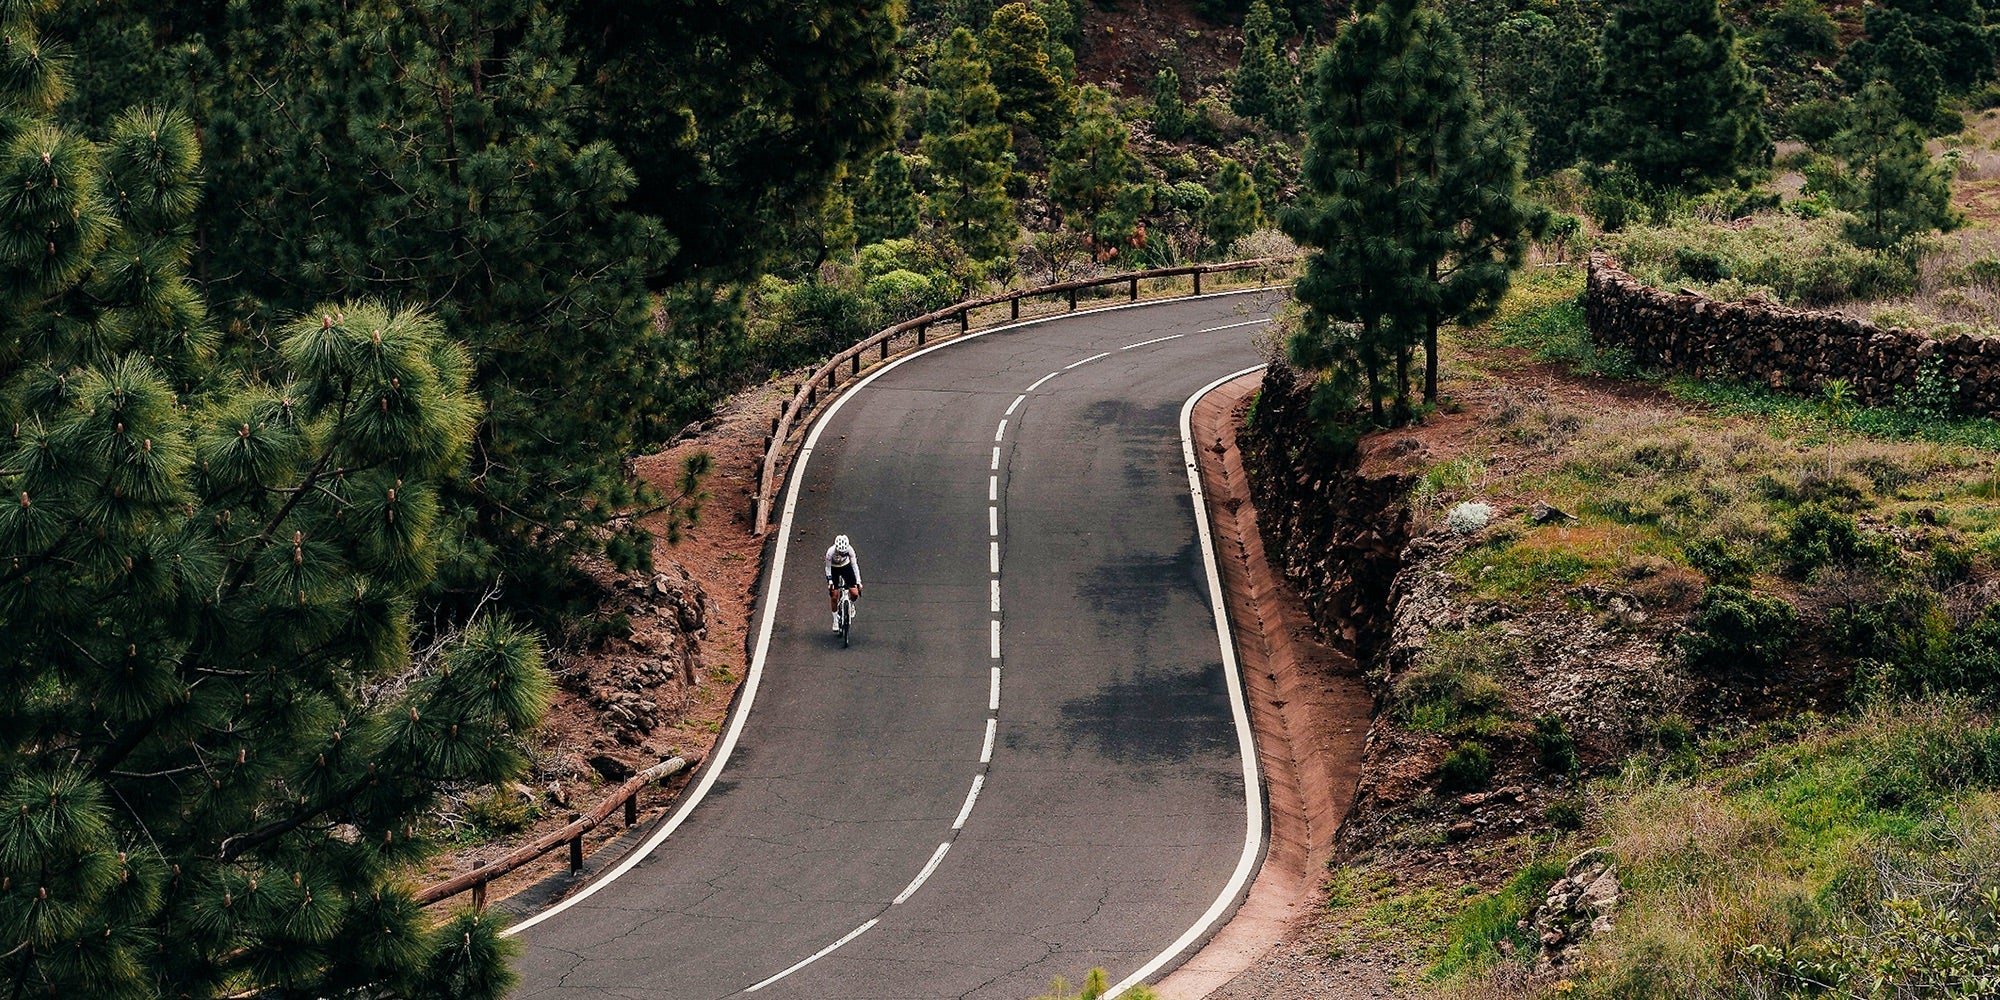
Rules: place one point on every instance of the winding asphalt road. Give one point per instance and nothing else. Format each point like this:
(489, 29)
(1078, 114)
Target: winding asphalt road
(1028, 764)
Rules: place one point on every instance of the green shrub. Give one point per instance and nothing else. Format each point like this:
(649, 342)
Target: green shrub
(1817, 536)
(1554, 744)
(1719, 561)
(1733, 629)
(902, 294)
(1565, 815)
(500, 811)
(1466, 768)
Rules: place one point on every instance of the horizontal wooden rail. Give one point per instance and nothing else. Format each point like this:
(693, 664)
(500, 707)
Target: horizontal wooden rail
(806, 395)
(626, 794)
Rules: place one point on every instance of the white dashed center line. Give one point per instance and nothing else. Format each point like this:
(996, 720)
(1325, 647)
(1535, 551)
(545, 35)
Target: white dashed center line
(1086, 361)
(1155, 340)
(1232, 326)
(1011, 407)
(970, 798)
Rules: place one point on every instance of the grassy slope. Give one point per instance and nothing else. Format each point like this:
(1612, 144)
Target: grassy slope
(1756, 835)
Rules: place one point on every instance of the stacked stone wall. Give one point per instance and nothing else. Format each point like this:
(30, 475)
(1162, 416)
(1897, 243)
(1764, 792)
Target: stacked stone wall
(1792, 350)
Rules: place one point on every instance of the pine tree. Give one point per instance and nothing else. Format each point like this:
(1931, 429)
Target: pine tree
(886, 206)
(1679, 111)
(429, 155)
(1888, 180)
(1265, 85)
(1233, 208)
(1413, 205)
(746, 109)
(216, 752)
(1892, 53)
(968, 152)
(1170, 114)
(1033, 95)
(1954, 32)
(1095, 179)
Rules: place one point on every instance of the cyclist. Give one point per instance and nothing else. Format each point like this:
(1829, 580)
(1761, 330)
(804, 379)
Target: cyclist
(843, 572)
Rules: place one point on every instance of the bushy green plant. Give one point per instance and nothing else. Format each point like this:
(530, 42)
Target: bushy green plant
(901, 294)
(1554, 745)
(1733, 629)
(1467, 767)
(1817, 536)
(500, 811)
(1472, 938)
(1718, 560)
(1564, 814)
(1932, 393)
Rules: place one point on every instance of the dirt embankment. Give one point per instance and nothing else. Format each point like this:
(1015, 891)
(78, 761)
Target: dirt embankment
(661, 683)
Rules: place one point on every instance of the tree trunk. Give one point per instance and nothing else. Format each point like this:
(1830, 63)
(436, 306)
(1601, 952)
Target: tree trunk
(1431, 364)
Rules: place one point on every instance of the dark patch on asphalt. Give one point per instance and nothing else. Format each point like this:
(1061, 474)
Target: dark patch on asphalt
(1129, 595)
(1156, 717)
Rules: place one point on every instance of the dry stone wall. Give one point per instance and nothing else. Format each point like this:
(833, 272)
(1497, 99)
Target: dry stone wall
(1793, 350)
(1336, 534)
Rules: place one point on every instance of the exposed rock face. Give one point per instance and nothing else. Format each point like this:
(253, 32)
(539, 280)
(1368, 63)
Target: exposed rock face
(651, 672)
(1337, 535)
(1792, 349)
(1581, 903)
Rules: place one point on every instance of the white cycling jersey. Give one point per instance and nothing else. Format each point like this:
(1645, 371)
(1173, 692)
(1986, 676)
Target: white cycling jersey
(853, 562)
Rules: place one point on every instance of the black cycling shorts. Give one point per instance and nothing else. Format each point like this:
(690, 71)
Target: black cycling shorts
(843, 576)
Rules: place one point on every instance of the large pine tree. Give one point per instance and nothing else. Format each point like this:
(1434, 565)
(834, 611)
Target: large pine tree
(429, 156)
(1885, 176)
(1679, 111)
(216, 751)
(1096, 179)
(1412, 204)
(967, 146)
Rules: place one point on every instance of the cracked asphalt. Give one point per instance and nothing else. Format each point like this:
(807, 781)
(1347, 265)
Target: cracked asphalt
(1113, 810)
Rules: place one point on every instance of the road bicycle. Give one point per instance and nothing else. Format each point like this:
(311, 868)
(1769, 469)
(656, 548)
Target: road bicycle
(846, 614)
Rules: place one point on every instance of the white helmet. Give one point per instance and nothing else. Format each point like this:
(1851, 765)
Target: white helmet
(841, 545)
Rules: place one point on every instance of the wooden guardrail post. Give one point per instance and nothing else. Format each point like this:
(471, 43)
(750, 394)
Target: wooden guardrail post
(1072, 300)
(964, 320)
(479, 892)
(1014, 307)
(632, 809)
(1135, 290)
(1197, 282)
(576, 854)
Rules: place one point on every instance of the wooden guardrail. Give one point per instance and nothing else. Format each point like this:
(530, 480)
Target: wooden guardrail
(806, 395)
(626, 795)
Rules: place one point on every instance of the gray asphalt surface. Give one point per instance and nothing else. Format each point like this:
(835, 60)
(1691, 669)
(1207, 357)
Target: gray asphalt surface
(1112, 812)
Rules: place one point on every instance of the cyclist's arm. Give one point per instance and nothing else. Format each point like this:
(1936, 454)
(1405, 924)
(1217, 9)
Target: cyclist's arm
(829, 567)
(854, 563)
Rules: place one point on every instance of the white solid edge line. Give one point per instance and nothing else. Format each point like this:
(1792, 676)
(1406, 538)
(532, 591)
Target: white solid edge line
(1001, 431)
(986, 749)
(1088, 360)
(1045, 378)
(727, 745)
(970, 797)
(1155, 340)
(1232, 326)
(996, 638)
(1015, 405)
(816, 956)
(1246, 746)
(993, 696)
(923, 876)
